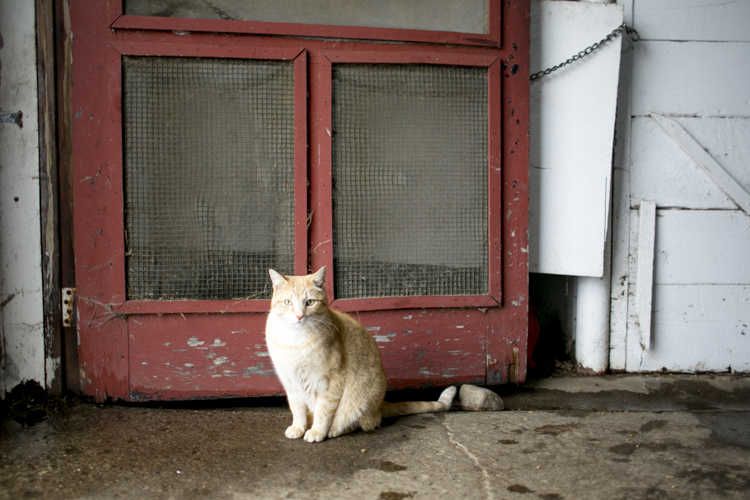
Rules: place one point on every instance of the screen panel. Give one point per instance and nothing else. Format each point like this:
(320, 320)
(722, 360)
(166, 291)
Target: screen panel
(209, 176)
(410, 176)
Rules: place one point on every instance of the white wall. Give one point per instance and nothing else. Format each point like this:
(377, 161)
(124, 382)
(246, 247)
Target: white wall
(692, 67)
(21, 316)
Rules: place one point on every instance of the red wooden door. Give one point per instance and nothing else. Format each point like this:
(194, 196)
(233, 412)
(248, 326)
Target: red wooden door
(204, 154)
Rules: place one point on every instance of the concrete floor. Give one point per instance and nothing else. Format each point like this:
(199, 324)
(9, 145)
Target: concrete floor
(612, 437)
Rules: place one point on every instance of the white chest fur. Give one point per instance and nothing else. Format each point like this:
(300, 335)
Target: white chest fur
(299, 360)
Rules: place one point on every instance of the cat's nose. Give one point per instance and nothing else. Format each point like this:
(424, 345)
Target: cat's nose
(299, 317)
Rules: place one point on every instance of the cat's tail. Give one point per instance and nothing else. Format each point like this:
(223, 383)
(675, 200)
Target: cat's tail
(411, 407)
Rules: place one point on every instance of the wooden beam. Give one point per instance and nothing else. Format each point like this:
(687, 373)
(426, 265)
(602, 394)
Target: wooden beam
(48, 181)
(64, 65)
(644, 285)
(705, 161)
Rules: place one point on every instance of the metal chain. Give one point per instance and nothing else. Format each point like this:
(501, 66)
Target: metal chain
(631, 32)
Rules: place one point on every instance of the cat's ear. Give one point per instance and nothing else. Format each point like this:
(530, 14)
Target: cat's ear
(278, 279)
(319, 278)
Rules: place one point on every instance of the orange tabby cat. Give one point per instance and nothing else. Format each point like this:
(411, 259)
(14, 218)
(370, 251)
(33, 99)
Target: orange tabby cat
(328, 364)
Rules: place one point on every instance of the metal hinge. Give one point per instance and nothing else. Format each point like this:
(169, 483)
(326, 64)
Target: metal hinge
(68, 306)
(11, 118)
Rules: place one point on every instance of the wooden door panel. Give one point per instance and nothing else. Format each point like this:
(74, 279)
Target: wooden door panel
(429, 347)
(174, 357)
(196, 356)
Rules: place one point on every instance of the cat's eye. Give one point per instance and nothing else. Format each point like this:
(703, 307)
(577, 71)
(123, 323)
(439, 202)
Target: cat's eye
(287, 302)
(309, 302)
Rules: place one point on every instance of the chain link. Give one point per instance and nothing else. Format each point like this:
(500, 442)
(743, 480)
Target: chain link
(631, 32)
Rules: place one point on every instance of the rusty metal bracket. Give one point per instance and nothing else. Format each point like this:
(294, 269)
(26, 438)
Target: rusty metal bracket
(68, 306)
(12, 118)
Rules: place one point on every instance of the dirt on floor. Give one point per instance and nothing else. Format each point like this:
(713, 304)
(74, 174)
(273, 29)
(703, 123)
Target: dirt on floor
(614, 437)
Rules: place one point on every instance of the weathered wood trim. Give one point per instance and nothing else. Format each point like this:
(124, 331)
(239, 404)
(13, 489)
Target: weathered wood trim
(508, 325)
(118, 20)
(644, 286)
(102, 342)
(63, 71)
(48, 196)
(733, 189)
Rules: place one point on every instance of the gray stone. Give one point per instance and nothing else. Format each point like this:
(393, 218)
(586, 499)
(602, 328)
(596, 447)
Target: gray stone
(475, 398)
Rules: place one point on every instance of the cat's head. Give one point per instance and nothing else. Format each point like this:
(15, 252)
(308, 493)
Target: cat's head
(296, 298)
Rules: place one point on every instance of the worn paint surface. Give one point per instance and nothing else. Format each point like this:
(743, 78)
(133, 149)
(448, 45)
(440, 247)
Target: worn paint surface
(571, 136)
(700, 288)
(176, 357)
(183, 357)
(22, 349)
(701, 296)
(192, 349)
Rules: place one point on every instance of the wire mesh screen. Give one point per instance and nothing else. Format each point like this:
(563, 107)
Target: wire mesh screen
(209, 176)
(410, 173)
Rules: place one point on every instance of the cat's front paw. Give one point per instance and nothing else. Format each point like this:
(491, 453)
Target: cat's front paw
(293, 432)
(312, 436)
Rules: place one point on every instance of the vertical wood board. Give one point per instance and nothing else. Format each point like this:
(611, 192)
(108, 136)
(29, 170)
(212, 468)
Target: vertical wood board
(619, 271)
(102, 337)
(22, 314)
(633, 348)
(64, 69)
(49, 196)
(644, 287)
(620, 227)
(573, 120)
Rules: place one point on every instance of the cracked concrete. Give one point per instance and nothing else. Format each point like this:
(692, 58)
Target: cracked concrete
(566, 440)
(486, 479)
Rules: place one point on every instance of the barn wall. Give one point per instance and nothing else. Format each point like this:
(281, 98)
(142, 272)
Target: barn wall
(685, 95)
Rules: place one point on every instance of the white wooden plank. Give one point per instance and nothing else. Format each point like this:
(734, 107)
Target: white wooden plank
(633, 348)
(661, 171)
(726, 140)
(707, 20)
(646, 241)
(22, 314)
(566, 241)
(699, 328)
(620, 227)
(702, 247)
(572, 129)
(628, 8)
(618, 317)
(705, 161)
(691, 79)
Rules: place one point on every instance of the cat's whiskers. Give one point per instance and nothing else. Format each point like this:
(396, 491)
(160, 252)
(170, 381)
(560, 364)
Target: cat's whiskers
(326, 320)
(320, 327)
(314, 329)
